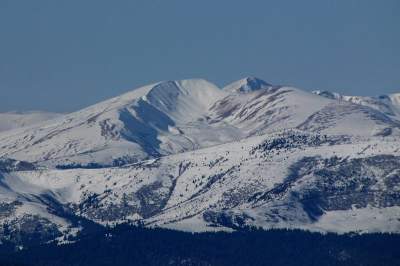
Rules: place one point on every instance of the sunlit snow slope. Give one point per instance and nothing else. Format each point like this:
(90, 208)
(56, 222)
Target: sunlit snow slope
(191, 156)
(175, 116)
(14, 120)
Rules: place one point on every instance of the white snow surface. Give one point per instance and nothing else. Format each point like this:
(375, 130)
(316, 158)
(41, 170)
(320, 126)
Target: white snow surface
(388, 104)
(14, 120)
(176, 116)
(192, 154)
(186, 182)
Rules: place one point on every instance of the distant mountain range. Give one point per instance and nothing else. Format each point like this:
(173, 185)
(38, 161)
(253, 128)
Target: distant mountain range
(190, 156)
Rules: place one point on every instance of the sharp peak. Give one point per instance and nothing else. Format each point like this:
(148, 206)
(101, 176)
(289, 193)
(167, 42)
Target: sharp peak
(253, 79)
(247, 84)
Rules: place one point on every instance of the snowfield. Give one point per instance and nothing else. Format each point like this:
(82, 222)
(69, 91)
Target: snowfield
(15, 120)
(187, 155)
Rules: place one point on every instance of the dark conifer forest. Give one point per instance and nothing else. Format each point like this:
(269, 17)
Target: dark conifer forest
(128, 245)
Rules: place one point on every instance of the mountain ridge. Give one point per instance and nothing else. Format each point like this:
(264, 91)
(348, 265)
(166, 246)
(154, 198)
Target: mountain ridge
(190, 156)
(386, 103)
(174, 116)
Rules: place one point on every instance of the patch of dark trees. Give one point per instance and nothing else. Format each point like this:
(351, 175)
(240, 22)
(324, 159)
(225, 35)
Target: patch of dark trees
(133, 245)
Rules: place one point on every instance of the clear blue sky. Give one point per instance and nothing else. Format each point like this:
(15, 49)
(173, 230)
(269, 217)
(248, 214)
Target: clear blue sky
(64, 55)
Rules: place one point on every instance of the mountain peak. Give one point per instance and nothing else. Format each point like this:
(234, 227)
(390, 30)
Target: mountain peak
(167, 88)
(183, 100)
(198, 89)
(247, 84)
(328, 94)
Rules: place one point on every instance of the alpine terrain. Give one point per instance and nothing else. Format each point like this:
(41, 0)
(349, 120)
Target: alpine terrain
(190, 156)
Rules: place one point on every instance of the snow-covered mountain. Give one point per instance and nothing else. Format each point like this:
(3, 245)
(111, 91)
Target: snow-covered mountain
(154, 120)
(14, 120)
(387, 104)
(176, 116)
(190, 156)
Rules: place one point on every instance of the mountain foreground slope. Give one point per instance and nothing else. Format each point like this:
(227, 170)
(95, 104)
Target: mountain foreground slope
(187, 155)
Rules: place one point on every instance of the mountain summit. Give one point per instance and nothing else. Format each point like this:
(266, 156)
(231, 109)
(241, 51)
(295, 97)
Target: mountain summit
(247, 85)
(175, 116)
(188, 155)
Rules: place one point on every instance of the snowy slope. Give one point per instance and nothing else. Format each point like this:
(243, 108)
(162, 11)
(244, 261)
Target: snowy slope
(176, 116)
(14, 120)
(387, 104)
(140, 124)
(288, 179)
(190, 156)
(259, 111)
